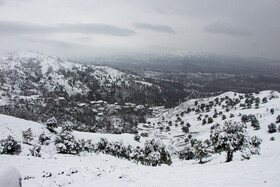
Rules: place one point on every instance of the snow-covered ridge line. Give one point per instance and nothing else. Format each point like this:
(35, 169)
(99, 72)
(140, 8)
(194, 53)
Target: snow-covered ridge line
(53, 72)
(230, 94)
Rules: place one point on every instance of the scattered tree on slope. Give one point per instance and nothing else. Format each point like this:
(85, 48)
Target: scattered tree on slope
(229, 138)
(202, 150)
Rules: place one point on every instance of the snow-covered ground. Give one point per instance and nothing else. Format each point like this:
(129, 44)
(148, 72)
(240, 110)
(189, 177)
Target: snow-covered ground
(91, 169)
(104, 170)
(52, 72)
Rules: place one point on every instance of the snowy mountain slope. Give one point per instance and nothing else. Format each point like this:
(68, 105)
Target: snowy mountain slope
(170, 122)
(52, 72)
(91, 169)
(14, 126)
(36, 87)
(33, 73)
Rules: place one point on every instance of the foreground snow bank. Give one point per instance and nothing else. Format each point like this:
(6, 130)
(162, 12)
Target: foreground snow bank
(9, 176)
(105, 170)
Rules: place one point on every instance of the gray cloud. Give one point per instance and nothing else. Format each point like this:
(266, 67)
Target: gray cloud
(248, 28)
(9, 28)
(222, 28)
(2, 2)
(92, 28)
(12, 2)
(158, 28)
(84, 39)
(160, 11)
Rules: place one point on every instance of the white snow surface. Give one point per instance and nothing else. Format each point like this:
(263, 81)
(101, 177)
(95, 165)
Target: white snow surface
(9, 176)
(91, 169)
(50, 68)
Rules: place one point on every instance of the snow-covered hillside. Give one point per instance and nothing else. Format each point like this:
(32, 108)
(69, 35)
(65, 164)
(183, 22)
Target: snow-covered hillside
(35, 86)
(52, 73)
(99, 169)
(230, 105)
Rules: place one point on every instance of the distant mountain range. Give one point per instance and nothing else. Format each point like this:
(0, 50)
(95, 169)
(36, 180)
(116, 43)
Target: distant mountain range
(191, 63)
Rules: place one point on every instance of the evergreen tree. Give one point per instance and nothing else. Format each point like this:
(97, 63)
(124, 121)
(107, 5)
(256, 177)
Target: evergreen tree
(215, 115)
(187, 153)
(10, 146)
(264, 100)
(68, 126)
(137, 137)
(201, 150)
(229, 138)
(245, 118)
(210, 120)
(255, 123)
(204, 121)
(257, 100)
(251, 147)
(27, 136)
(43, 139)
(51, 124)
(66, 143)
(272, 128)
(35, 151)
(278, 119)
(185, 129)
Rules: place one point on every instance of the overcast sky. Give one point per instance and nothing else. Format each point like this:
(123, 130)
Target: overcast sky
(85, 28)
